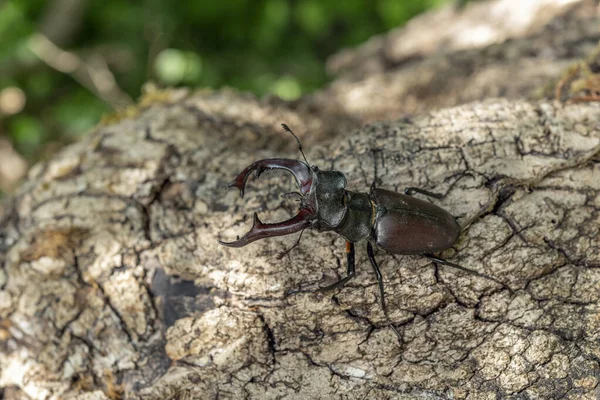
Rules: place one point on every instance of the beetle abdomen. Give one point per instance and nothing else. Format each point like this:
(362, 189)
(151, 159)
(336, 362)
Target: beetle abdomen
(407, 225)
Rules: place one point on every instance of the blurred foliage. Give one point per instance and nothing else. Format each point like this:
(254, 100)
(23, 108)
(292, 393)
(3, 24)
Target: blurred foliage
(263, 46)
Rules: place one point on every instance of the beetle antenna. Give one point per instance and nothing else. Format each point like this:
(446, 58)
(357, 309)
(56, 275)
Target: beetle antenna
(286, 252)
(374, 183)
(290, 194)
(287, 129)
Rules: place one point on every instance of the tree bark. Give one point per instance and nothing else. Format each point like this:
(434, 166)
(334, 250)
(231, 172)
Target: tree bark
(113, 283)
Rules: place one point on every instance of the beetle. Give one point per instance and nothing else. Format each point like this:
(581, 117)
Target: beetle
(397, 223)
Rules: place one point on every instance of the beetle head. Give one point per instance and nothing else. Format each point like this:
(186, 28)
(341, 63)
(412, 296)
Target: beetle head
(322, 204)
(328, 198)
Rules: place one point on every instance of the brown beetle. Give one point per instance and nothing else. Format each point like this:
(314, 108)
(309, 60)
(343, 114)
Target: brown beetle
(397, 223)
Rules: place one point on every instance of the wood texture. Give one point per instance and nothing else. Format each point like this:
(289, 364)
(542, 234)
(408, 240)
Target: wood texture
(112, 284)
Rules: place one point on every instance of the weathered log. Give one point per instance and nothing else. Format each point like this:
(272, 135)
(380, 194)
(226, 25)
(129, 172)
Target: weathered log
(112, 282)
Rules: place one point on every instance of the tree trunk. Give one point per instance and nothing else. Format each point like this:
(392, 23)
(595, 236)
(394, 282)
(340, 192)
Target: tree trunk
(113, 283)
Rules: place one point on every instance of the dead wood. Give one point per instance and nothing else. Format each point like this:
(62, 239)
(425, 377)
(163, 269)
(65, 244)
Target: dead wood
(112, 283)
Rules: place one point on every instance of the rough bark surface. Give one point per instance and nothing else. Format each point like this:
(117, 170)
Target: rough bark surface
(112, 283)
(507, 48)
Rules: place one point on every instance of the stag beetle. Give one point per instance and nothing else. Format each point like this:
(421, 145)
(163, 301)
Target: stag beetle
(397, 223)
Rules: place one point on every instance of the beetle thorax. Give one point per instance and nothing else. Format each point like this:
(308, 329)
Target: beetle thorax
(358, 221)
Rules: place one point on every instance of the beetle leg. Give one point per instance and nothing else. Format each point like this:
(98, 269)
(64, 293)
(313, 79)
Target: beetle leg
(412, 190)
(260, 230)
(381, 292)
(461, 268)
(350, 272)
(300, 170)
(378, 275)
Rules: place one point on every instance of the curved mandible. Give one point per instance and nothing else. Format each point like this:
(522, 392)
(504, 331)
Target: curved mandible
(300, 170)
(260, 230)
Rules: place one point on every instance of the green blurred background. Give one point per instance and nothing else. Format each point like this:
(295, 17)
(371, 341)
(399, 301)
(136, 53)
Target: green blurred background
(65, 63)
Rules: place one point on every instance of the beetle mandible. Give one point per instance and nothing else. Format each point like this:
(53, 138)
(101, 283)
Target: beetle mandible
(397, 223)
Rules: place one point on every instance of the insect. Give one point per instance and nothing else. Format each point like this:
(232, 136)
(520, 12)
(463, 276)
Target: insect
(397, 223)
